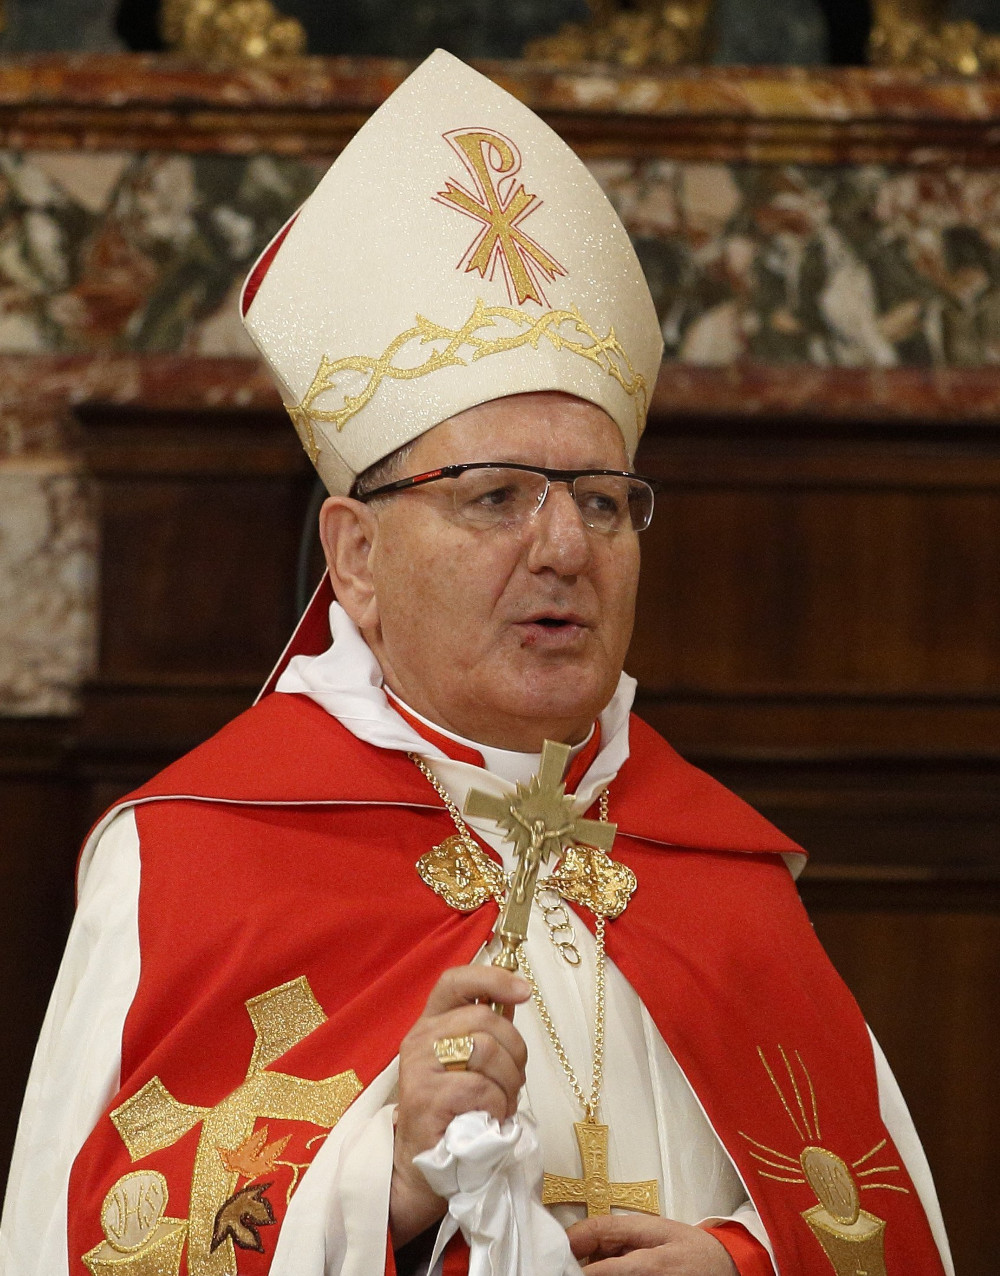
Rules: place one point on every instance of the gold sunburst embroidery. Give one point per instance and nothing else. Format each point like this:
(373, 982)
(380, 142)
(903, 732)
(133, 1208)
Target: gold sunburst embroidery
(851, 1237)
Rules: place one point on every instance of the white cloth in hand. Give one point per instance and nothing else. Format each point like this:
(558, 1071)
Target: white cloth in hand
(491, 1176)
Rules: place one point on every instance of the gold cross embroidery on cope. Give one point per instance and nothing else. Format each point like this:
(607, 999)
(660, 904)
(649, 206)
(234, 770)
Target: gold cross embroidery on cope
(152, 1119)
(492, 159)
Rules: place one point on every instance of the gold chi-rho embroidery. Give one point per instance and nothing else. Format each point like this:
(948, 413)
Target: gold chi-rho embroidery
(500, 204)
(152, 1119)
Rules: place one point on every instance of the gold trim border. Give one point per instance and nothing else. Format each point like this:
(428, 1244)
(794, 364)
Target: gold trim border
(463, 345)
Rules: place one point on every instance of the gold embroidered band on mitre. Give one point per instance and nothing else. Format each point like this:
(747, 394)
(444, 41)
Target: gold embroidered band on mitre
(152, 1119)
(462, 346)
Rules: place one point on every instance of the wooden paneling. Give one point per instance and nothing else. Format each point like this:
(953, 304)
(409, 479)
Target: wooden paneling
(927, 982)
(201, 516)
(819, 626)
(38, 836)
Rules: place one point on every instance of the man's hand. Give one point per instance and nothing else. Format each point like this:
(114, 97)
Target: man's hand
(429, 1095)
(637, 1245)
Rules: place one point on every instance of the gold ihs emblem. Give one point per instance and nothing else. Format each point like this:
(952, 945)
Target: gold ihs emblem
(851, 1237)
(140, 1240)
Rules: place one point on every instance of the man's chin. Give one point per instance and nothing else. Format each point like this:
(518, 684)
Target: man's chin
(563, 702)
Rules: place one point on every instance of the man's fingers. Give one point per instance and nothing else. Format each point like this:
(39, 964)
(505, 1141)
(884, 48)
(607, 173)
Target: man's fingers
(608, 1235)
(641, 1245)
(477, 1092)
(463, 985)
(479, 1022)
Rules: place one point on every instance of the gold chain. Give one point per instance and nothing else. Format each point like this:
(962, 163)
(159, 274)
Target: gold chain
(590, 1104)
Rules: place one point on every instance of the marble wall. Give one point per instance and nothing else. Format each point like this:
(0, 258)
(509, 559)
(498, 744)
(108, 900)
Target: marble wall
(853, 267)
(47, 556)
(118, 253)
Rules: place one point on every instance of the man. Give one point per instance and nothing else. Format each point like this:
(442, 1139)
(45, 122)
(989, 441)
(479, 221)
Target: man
(275, 1042)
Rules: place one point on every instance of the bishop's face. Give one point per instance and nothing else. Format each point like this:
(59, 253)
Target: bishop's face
(507, 636)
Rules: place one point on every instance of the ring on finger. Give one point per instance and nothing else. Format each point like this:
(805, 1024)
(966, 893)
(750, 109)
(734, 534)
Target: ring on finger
(454, 1053)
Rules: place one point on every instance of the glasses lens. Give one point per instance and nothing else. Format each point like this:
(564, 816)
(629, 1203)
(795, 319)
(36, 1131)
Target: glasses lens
(608, 503)
(497, 497)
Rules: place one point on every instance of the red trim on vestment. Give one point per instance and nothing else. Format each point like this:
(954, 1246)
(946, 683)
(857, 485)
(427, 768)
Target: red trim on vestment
(685, 807)
(311, 636)
(455, 1259)
(256, 276)
(746, 1251)
(581, 764)
(450, 748)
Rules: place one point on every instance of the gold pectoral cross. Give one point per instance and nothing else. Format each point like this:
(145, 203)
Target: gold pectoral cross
(595, 1189)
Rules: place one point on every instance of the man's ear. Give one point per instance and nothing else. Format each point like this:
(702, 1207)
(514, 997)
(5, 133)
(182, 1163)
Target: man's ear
(347, 529)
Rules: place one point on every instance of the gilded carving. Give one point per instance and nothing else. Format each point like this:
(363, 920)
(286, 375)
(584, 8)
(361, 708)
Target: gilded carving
(588, 875)
(917, 34)
(463, 879)
(230, 30)
(650, 33)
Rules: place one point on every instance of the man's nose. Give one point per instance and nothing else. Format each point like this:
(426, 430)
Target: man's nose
(559, 537)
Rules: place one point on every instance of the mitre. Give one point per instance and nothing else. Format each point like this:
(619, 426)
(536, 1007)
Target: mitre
(456, 251)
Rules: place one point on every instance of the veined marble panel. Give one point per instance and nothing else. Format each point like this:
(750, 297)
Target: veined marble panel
(777, 264)
(844, 267)
(47, 587)
(135, 252)
(128, 255)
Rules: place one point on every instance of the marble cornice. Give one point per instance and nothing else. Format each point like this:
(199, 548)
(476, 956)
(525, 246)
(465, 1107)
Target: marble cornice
(311, 107)
(39, 394)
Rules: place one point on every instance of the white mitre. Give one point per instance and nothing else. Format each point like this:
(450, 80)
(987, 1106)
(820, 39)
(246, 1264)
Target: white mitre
(457, 251)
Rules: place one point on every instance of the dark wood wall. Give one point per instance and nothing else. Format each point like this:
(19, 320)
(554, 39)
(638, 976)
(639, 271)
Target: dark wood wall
(819, 626)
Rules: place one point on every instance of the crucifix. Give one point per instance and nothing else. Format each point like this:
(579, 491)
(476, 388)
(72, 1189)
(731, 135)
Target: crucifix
(537, 821)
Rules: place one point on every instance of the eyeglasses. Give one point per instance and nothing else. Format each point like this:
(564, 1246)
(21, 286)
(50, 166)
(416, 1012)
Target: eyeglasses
(505, 496)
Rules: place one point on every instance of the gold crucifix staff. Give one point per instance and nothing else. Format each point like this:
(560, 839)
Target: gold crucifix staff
(538, 820)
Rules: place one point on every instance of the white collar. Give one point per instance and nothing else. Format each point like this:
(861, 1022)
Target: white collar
(346, 681)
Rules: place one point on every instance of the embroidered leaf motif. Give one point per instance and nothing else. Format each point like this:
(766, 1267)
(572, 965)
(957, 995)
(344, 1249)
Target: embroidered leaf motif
(241, 1216)
(252, 1159)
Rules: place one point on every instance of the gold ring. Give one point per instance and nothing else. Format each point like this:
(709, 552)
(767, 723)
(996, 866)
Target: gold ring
(454, 1053)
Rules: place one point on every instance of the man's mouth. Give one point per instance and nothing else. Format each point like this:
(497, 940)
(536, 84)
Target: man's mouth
(545, 630)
